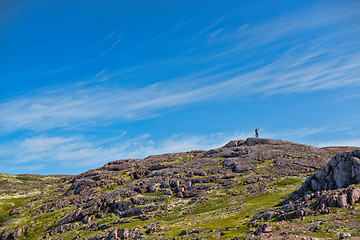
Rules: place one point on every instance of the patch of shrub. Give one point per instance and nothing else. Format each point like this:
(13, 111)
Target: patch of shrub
(3, 181)
(287, 181)
(3, 218)
(27, 178)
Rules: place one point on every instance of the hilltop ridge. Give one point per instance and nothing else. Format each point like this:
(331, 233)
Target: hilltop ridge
(236, 191)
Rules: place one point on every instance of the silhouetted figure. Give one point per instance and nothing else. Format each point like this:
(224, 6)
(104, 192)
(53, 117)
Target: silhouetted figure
(256, 132)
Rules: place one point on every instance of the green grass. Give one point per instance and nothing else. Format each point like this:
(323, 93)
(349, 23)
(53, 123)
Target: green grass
(4, 217)
(218, 213)
(3, 181)
(10, 204)
(208, 207)
(287, 181)
(27, 178)
(46, 215)
(154, 194)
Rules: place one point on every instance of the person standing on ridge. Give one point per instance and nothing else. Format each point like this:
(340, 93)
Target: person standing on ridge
(256, 132)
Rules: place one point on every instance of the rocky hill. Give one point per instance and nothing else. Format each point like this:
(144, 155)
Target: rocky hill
(247, 189)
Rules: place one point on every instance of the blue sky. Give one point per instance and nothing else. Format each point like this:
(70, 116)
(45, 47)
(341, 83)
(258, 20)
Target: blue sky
(87, 82)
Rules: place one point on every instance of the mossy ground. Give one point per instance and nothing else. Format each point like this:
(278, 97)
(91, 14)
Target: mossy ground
(27, 200)
(220, 214)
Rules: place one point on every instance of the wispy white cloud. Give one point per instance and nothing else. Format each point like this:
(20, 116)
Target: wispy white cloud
(79, 152)
(78, 104)
(288, 30)
(215, 33)
(107, 37)
(100, 73)
(351, 143)
(107, 50)
(297, 134)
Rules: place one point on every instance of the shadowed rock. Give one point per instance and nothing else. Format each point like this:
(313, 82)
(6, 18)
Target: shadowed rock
(341, 171)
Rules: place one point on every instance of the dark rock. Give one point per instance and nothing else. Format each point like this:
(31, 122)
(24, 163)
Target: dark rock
(140, 190)
(250, 230)
(139, 173)
(154, 188)
(262, 141)
(14, 212)
(264, 228)
(267, 215)
(81, 185)
(64, 228)
(184, 232)
(200, 173)
(228, 153)
(307, 197)
(344, 235)
(72, 217)
(175, 183)
(157, 167)
(100, 215)
(239, 165)
(113, 235)
(17, 233)
(122, 205)
(315, 228)
(104, 226)
(165, 184)
(139, 200)
(120, 165)
(123, 233)
(252, 179)
(87, 219)
(150, 230)
(194, 231)
(124, 193)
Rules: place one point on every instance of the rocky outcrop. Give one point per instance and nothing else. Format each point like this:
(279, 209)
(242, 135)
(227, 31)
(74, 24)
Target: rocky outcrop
(339, 198)
(258, 141)
(264, 228)
(15, 234)
(183, 175)
(182, 184)
(341, 171)
(332, 186)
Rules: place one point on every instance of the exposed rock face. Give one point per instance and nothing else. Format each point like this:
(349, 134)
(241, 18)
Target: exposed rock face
(341, 171)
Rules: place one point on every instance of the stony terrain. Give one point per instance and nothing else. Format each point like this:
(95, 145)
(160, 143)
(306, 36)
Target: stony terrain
(247, 189)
